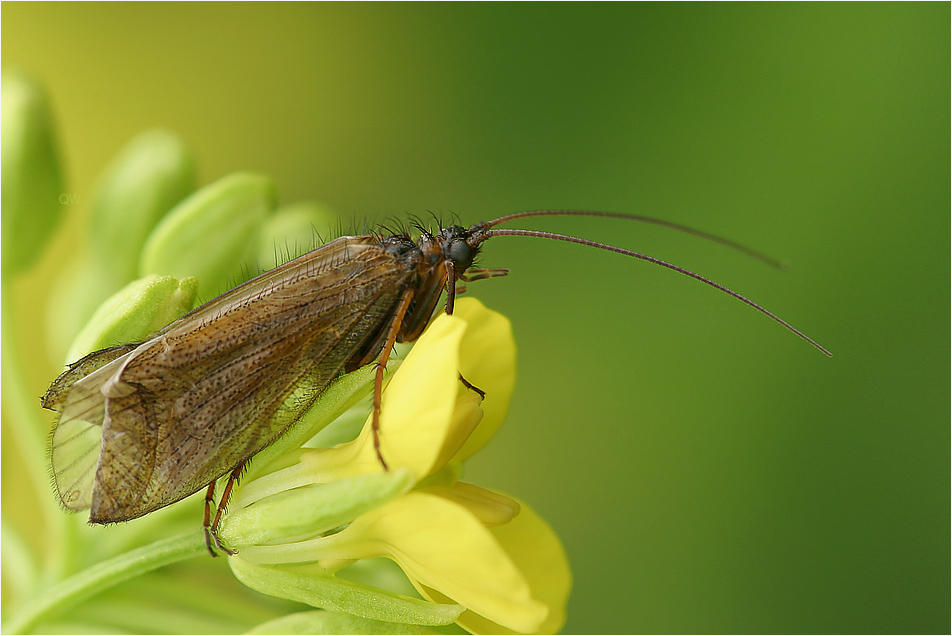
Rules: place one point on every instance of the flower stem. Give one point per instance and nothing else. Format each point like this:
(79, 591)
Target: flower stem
(69, 592)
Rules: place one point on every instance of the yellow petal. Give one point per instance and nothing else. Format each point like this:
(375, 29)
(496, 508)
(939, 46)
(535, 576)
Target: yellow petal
(416, 415)
(441, 545)
(491, 508)
(488, 361)
(427, 416)
(537, 552)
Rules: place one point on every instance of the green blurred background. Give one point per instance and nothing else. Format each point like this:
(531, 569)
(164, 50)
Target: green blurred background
(706, 470)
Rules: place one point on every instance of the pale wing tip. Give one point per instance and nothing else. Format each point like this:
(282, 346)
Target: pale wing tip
(75, 491)
(74, 458)
(76, 499)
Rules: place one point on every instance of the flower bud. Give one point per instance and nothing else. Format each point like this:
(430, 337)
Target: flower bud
(212, 235)
(305, 511)
(135, 312)
(307, 584)
(152, 174)
(32, 191)
(294, 230)
(323, 622)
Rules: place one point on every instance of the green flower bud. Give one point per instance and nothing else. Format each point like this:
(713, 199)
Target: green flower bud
(307, 585)
(78, 290)
(319, 622)
(212, 235)
(32, 181)
(136, 312)
(152, 174)
(294, 230)
(310, 509)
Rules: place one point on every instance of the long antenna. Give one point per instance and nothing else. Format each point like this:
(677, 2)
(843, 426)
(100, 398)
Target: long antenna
(489, 233)
(645, 219)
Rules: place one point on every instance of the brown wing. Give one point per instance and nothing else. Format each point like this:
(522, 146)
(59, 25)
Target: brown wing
(78, 433)
(222, 382)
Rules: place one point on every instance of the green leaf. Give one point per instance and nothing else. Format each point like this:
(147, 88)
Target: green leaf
(60, 597)
(32, 192)
(212, 235)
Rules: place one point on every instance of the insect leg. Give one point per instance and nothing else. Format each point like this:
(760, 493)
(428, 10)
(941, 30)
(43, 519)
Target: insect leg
(211, 530)
(473, 388)
(469, 276)
(485, 272)
(450, 285)
(206, 520)
(382, 367)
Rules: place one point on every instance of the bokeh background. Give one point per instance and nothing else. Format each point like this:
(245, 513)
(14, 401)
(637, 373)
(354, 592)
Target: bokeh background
(706, 470)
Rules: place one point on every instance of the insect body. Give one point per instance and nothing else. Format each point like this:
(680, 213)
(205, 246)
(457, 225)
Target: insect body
(144, 425)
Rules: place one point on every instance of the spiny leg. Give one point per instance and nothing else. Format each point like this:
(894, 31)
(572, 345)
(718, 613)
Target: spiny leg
(382, 368)
(472, 387)
(211, 529)
(206, 520)
(453, 290)
(481, 273)
(451, 278)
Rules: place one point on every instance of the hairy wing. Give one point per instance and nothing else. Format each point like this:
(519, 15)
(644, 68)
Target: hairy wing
(77, 435)
(221, 383)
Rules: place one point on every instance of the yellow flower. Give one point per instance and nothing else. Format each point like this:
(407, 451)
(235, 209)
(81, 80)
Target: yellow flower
(480, 558)
(324, 526)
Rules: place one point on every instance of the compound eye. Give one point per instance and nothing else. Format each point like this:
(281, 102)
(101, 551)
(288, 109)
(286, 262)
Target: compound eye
(460, 253)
